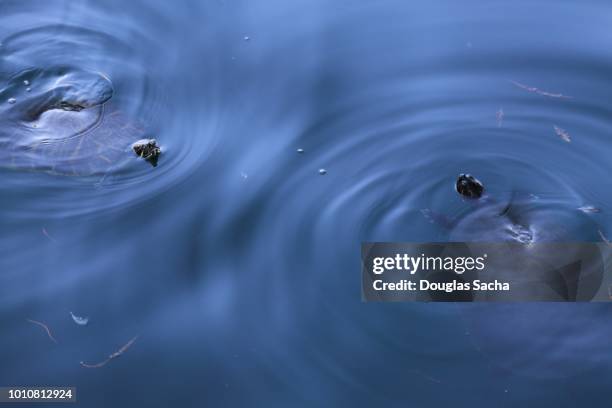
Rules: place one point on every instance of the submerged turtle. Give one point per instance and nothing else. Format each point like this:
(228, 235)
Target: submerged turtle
(62, 121)
(535, 340)
(544, 271)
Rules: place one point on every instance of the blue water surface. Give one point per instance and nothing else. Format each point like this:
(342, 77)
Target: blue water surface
(236, 261)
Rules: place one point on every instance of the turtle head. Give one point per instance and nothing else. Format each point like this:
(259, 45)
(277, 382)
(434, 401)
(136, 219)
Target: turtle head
(148, 149)
(469, 186)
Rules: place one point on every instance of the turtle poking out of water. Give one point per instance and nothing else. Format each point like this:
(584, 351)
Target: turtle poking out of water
(148, 150)
(468, 186)
(61, 120)
(518, 218)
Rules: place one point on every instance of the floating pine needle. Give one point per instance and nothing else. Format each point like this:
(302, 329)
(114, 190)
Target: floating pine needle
(44, 326)
(46, 234)
(426, 376)
(589, 209)
(562, 134)
(603, 238)
(116, 354)
(500, 117)
(539, 91)
(81, 321)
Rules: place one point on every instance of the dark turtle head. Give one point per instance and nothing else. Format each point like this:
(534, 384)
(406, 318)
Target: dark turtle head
(469, 186)
(148, 150)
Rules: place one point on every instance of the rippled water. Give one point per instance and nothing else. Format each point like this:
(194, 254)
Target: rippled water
(236, 260)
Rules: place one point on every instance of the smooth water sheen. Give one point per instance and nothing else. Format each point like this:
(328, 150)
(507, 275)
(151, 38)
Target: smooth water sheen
(236, 261)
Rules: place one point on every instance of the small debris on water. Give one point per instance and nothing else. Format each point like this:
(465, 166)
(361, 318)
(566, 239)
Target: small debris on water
(562, 134)
(28, 89)
(116, 354)
(45, 327)
(12, 100)
(300, 150)
(425, 375)
(46, 234)
(26, 82)
(604, 238)
(148, 150)
(589, 209)
(535, 90)
(247, 38)
(81, 321)
(500, 117)
(322, 172)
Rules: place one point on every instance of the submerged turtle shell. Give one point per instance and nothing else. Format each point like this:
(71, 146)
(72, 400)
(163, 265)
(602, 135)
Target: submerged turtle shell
(61, 121)
(523, 220)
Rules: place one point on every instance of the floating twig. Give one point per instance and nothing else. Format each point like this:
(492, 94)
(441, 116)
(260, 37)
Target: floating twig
(124, 348)
(116, 354)
(539, 91)
(44, 326)
(562, 134)
(603, 238)
(97, 365)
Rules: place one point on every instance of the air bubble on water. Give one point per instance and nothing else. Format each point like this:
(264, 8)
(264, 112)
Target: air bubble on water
(322, 172)
(12, 100)
(26, 82)
(300, 150)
